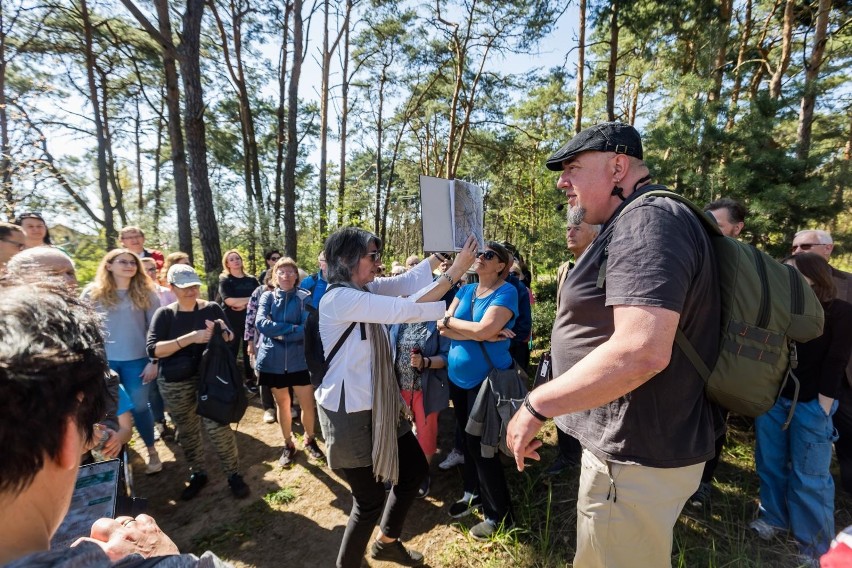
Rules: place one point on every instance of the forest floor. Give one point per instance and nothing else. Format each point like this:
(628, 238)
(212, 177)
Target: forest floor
(295, 517)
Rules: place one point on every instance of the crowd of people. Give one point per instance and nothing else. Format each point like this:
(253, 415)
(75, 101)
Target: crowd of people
(630, 408)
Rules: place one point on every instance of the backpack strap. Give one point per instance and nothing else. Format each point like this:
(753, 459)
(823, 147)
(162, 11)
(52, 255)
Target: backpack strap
(340, 341)
(655, 190)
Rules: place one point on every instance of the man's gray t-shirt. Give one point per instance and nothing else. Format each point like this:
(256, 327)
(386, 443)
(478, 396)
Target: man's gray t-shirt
(658, 255)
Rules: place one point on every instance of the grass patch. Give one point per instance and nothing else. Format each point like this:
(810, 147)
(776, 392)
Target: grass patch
(281, 496)
(545, 514)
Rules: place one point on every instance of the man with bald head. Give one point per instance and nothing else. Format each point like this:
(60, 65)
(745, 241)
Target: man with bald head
(43, 261)
(636, 403)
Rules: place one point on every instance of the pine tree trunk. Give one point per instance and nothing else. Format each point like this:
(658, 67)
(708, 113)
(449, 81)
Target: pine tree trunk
(196, 144)
(290, 237)
(806, 110)
(581, 69)
(180, 172)
(103, 178)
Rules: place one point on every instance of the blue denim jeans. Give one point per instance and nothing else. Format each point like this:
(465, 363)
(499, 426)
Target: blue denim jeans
(155, 399)
(129, 372)
(796, 488)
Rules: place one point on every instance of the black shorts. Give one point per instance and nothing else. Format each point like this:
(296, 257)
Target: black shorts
(284, 380)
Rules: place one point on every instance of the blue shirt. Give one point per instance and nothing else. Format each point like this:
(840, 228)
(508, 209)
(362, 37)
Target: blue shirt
(467, 364)
(316, 286)
(523, 323)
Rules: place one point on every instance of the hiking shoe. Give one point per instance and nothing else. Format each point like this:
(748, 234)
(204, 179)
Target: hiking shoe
(162, 431)
(700, 500)
(424, 488)
(560, 464)
(196, 481)
(238, 486)
(763, 529)
(453, 459)
(269, 416)
(314, 450)
(464, 507)
(154, 465)
(484, 530)
(288, 456)
(395, 552)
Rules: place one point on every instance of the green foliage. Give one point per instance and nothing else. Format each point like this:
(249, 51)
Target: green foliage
(543, 316)
(281, 496)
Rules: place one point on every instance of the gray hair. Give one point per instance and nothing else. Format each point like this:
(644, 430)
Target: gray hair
(824, 237)
(343, 251)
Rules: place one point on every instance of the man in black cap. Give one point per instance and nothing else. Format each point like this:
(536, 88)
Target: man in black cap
(636, 404)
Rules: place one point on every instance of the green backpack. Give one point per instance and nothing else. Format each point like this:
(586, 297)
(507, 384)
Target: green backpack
(766, 307)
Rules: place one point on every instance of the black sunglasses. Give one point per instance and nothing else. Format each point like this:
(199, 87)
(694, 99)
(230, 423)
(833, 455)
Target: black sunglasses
(487, 255)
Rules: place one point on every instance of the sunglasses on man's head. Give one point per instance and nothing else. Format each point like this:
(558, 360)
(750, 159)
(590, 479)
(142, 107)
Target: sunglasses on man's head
(487, 255)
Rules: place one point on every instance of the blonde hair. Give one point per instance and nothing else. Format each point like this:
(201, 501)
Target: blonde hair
(286, 261)
(225, 271)
(105, 291)
(173, 259)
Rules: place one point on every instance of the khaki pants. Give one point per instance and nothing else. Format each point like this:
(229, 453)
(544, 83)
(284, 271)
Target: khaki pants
(626, 513)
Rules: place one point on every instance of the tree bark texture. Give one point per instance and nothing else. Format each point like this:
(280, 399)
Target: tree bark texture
(208, 228)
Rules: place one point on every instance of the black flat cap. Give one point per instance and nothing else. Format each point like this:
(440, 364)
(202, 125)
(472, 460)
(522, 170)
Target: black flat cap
(605, 137)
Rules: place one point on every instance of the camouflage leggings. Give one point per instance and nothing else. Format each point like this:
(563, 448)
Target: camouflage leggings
(181, 399)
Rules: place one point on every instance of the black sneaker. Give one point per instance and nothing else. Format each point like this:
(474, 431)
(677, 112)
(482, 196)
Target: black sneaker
(700, 500)
(314, 450)
(424, 488)
(395, 552)
(196, 481)
(464, 507)
(238, 486)
(288, 456)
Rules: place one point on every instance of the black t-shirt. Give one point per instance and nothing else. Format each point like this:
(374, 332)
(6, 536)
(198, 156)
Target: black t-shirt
(658, 255)
(168, 325)
(233, 287)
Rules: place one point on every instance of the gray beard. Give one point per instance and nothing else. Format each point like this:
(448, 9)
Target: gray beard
(576, 215)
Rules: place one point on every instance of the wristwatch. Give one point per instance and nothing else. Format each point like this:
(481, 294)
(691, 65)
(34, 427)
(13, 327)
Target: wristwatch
(447, 321)
(153, 360)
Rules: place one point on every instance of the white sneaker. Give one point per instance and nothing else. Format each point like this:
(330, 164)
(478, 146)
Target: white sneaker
(154, 465)
(269, 416)
(763, 529)
(453, 459)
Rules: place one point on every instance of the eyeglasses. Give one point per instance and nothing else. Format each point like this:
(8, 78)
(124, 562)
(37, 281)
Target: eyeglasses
(16, 243)
(130, 237)
(275, 258)
(152, 270)
(284, 273)
(375, 255)
(123, 262)
(807, 246)
(487, 255)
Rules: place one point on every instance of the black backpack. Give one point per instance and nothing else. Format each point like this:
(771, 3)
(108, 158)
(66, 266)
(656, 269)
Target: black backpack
(314, 350)
(221, 396)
